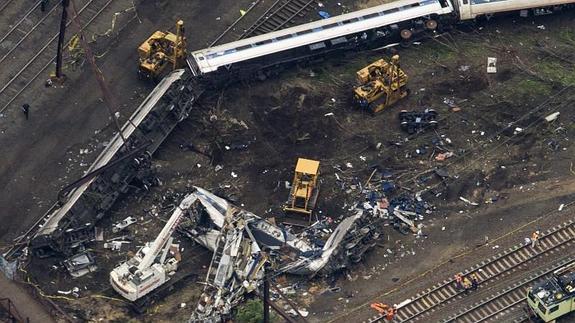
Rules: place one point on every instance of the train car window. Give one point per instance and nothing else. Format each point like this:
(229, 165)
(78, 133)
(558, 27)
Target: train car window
(531, 297)
(444, 3)
(317, 29)
(391, 10)
(339, 40)
(284, 37)
(554, 309)
(465, 1)
(371, 15)
(263, 42)
(303, 32)
(330, 26)
(414, 4)
(317, 46)
(244, 47)
(229, 51)
(542, 308)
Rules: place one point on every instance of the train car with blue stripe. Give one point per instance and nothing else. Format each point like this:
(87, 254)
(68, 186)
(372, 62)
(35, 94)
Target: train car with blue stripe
(368, 27)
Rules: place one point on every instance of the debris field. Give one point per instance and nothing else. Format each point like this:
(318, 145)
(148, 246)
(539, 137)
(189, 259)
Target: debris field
(464, 157)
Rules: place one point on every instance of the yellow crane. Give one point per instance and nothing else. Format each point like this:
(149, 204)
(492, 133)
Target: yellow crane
(162, 51)
(381, 84)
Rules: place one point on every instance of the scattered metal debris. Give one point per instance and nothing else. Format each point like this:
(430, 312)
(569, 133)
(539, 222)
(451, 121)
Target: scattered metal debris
(123, 224)
(81, 264)
(414, 121)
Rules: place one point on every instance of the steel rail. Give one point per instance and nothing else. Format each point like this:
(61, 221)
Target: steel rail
(509, 296)
(42, 51)
(25, 35)
(6, 5)
(487, 270)
(272, 18)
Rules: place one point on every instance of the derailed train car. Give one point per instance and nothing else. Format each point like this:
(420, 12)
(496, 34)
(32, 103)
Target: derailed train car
(70, 225)
(471, 9)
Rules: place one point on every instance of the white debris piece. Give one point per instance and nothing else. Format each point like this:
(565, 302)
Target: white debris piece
(234, 175)
(552, 117)
(468, 201)
(491, 65)
(123, 224)
(561, 207)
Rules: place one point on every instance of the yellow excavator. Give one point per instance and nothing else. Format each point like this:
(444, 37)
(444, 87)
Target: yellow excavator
(381, 84)
(305, 188)
(161, 53)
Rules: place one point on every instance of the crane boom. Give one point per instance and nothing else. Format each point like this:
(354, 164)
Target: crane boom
(149, 268)
(159, 244)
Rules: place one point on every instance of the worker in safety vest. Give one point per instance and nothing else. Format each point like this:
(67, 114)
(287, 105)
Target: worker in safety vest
(380, 307)
(474, 281)
(466, 283)
(459, 280)
(391, 311)
(534, 239)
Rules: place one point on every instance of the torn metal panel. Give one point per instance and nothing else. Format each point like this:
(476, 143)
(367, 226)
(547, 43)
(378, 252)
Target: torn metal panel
(80, 264)
(72, 223)
(238, 237)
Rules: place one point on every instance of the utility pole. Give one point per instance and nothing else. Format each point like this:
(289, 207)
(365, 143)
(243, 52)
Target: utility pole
(266, 293)
(59, 75)
(109, 101)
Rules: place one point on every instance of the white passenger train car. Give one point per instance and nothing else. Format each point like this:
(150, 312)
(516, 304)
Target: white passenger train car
(319, 35)
(470, 9)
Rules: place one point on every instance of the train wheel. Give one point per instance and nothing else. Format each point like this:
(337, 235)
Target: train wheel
(431, 24)
(406, 34)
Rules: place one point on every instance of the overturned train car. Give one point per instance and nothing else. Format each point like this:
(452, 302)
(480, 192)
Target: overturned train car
(72, 223)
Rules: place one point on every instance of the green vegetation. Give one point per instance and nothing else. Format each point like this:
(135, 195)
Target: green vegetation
(554, 70)
(252, 311)
(567, 36)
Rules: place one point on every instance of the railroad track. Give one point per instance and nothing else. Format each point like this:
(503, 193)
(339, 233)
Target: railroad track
(25, 26)
(555, 239)
(26, 73)
(279, 15)
(508, 299)
(5, 4)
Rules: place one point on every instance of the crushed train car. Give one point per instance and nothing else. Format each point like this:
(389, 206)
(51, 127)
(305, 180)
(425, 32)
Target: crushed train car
(243, 243)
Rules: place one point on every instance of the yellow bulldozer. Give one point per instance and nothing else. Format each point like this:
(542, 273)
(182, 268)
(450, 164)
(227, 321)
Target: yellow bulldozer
(381, 84)
(161, 53)
(305, 187)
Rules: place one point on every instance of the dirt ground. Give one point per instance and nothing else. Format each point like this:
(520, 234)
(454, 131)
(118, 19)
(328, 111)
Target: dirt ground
(256, 131)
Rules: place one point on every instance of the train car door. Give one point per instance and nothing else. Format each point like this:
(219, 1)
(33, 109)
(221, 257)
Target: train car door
(464, 9)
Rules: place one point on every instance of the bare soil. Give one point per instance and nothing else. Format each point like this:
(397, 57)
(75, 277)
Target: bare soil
(256, 131)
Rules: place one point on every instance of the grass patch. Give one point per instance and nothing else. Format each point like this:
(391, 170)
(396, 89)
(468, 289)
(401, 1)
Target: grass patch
(556, 71)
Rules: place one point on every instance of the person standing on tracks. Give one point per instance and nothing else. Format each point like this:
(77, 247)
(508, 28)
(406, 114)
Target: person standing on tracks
(459, 280)
(474, 281)
(391, 311)
(466, 283)
(44, 5)
(26, 110)
(535, 239)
